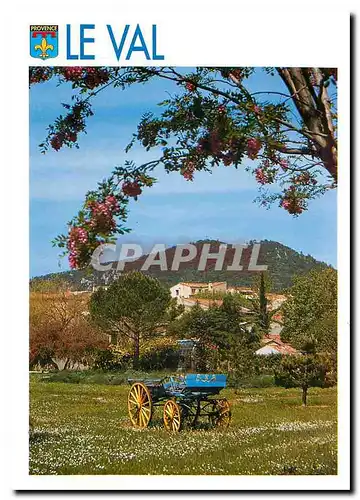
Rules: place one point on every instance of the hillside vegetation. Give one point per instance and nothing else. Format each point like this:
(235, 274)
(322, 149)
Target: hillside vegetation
(283, 264)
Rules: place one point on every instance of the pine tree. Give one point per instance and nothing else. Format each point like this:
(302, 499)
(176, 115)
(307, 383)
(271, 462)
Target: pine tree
(260, 305)
(264, 319)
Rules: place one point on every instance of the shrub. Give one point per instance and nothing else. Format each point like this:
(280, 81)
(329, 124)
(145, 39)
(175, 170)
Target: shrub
(265, 365)
(112, 358)
(160, 354)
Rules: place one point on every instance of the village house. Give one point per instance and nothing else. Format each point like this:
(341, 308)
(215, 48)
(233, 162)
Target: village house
(245, 291)
(272, 344)
(205, 304)
(187, 289)
(275, 300)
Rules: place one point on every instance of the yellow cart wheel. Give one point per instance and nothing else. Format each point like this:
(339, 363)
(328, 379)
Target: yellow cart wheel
(222, 416)
(140, 405)
(172, 416)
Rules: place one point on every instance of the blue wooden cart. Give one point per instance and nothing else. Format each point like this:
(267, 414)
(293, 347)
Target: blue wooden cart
(185, 399)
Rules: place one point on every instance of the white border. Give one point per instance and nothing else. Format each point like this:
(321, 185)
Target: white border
(260, 34)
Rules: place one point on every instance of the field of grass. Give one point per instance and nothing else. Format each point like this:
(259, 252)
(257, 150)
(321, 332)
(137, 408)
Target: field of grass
(84, 429)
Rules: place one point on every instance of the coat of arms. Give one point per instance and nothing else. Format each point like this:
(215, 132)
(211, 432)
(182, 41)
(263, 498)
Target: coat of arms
(44, 41)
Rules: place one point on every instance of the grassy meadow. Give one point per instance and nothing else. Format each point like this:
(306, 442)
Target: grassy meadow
(83, 428)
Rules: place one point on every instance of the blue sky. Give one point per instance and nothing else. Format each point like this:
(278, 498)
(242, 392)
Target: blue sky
(174, 210)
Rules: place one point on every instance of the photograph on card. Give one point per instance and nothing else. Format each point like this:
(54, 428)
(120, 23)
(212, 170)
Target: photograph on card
(183, 269)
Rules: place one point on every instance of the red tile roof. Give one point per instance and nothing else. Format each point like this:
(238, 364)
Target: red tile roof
(197, 284)
(276, 296)
(194, 284)
(274, 341)
(278, 317)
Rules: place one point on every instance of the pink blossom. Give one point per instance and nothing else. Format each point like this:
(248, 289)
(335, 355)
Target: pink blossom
(188, 171)
(253, 148)
(286, 204)
(284, 164)
(261, 176)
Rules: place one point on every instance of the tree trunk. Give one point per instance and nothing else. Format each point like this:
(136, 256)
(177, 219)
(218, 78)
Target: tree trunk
(304, 395)
(53, 364)
(136, 352)
(315, 112)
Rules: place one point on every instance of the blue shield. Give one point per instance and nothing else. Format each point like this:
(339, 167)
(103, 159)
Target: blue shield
(44, 41)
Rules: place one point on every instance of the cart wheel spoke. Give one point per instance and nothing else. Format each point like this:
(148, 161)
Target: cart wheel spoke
(145, 414)
(140, 405)
(221, 413)
(172, 416)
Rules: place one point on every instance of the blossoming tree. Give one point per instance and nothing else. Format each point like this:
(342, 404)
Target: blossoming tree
(213, 119)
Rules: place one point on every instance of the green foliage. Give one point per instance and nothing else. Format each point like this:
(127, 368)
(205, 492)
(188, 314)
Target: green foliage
(160, 354)
(52, 283)
(134, 307)
(264, 320)
(218, 325)
(174, 311)
(266, 364)
(239, 359)
(156, 354)
(261, 285)
(225, 341)
(191, 324)
(305, 371)
(310, 314)
(111, 359)
(121, 376)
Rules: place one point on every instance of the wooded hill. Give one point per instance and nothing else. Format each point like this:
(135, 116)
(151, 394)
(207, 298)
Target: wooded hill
(283, 264)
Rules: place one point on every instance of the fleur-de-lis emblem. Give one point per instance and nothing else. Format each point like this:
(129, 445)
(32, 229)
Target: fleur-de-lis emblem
(44, 47)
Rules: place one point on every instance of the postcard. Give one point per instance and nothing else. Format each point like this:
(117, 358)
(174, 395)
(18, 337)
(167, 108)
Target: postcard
(183, 322)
